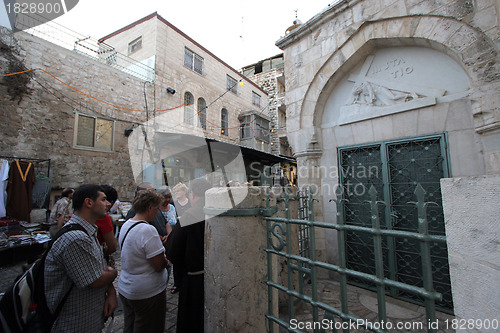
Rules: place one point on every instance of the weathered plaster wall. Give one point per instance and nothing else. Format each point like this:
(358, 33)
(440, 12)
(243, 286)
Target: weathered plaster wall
(42, 124)
(472, 213)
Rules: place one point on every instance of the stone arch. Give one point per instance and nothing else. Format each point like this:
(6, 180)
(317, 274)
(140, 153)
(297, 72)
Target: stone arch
(471, 48)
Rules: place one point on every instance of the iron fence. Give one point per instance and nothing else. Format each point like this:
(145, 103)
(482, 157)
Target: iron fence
(305, 262)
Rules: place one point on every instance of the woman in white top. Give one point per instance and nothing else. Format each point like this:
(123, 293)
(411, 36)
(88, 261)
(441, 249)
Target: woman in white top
(143, 278)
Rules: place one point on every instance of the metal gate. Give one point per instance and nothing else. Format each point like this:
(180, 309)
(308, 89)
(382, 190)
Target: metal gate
(390, 236)
(394, 168)
(280, 244)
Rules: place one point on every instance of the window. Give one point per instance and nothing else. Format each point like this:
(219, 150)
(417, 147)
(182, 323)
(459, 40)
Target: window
(255, 99)
(245, 131)
(188, 108)
(394, 168)
(193, 61)
(232, 84)
(93, 132)
(262, 129)
(224, 122)
(135, 45)
(202, 113)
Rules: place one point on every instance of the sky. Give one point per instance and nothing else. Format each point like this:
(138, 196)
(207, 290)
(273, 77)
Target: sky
(240, 32)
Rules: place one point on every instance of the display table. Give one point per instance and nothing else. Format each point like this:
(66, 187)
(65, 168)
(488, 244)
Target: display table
(20, 241)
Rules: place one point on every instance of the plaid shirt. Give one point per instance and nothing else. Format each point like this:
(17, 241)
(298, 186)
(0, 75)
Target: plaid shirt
(61, 207)
(76, 258)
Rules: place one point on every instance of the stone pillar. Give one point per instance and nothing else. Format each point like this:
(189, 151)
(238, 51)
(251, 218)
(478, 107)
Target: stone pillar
(236, 294)
(309, 172)
(471, 211)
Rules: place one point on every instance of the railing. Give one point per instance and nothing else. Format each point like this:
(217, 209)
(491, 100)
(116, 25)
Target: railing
(85, 45)
(279, 244)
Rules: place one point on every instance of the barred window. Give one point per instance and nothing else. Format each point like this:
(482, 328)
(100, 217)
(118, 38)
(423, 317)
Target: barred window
(262, 129)
(224, 122)
(135, 45)
(94, 132)
(255, 99)
(232, 84)
(188, 108)
(202, 113)
(245, 131)
(193, 61)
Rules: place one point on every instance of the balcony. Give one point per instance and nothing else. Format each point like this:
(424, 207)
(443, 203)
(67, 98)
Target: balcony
(85, 45)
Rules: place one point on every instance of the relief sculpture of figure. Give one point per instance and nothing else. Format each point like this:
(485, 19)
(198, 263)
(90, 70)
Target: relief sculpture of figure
(377, 95)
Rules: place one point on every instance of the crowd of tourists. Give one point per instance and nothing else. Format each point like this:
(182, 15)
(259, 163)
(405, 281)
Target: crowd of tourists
(158, 239)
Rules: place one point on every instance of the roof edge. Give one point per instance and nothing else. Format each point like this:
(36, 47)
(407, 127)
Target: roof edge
(173, 27)
(131, 25)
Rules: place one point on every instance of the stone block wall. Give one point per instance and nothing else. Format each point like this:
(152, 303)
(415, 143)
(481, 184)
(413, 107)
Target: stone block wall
(41, 124)
(471, 208)
(326, 49)
(321, 51)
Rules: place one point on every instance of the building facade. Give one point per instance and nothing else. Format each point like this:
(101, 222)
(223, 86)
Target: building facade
(269, 74)
(100, 121)
(212, 97)
(391, 94)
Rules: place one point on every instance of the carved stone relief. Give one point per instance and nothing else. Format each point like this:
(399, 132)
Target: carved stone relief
(395, 80)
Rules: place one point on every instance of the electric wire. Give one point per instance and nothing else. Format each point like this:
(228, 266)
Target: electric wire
(259, 137)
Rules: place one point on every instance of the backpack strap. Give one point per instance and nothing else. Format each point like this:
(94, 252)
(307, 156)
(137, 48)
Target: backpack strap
(133, 225)
(62, 231)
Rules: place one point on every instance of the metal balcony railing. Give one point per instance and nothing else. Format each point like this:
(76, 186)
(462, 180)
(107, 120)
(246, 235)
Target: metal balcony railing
(85, 45)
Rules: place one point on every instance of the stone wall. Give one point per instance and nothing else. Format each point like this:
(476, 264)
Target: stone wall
(236, 264)
(330, 50)
(472, 210)
(42, 123)
(321, 51)
(269, 82)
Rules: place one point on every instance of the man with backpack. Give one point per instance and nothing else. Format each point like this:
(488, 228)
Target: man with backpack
(76, 272)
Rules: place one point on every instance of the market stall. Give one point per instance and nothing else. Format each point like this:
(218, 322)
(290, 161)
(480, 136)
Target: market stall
(24, 185)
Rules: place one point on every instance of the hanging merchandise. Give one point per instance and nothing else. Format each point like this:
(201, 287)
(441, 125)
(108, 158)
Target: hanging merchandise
(19, 190)
(4, 176)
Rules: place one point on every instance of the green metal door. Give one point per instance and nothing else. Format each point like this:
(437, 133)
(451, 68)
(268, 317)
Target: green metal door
(394, 168)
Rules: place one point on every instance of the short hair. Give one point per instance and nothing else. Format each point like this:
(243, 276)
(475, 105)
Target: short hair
(164, 190)
(199, 186)
(145, 186)
(181, 187)
(67, 191)
(144, 199)
(83, 192)
(111, 193)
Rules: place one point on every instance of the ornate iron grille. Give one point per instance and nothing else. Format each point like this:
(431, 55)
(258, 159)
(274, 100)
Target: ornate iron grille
(394, 169)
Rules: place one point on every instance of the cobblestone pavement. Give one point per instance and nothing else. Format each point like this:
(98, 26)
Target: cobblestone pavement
(8, 274)
(362, 304)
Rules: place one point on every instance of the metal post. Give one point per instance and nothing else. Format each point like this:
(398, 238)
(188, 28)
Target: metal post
(379, 256)
(425, 253)
(342, 254)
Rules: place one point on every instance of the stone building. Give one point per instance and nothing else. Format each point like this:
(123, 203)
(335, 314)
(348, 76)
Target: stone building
(269, 75)
(100, 119)
(393, 93)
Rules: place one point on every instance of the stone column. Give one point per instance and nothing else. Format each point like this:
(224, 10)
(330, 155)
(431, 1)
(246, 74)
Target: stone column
(309, 171)
(236, 294)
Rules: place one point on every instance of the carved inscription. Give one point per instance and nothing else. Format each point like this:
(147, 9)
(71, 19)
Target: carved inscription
(396, 67)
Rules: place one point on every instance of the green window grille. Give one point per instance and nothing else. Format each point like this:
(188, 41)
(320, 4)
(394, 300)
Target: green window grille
(394, 168)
